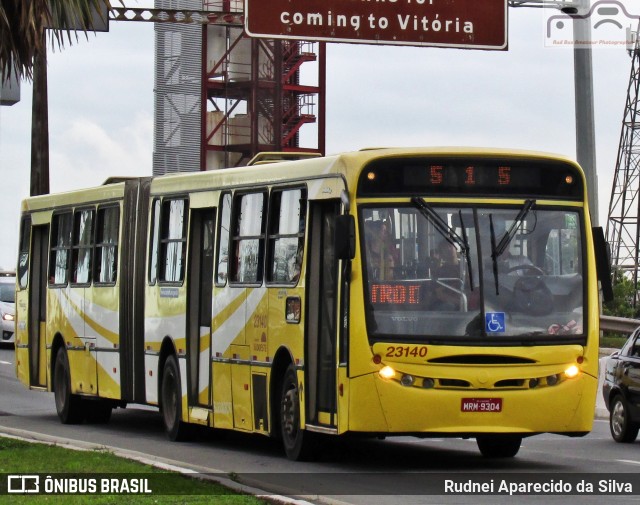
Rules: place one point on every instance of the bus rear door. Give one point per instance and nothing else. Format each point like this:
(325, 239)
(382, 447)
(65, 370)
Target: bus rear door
(38, 305)
(200, 282)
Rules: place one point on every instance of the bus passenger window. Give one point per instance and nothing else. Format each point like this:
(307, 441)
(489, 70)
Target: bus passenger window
(60, 249)
(23, 259)
(153, 242)
(82, 246)
(223, 240)
(173, 240)
(107, 245)
(286, 235)
(248, 239)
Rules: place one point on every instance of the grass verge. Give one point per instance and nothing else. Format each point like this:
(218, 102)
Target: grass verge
(613, 340)
(20, 457)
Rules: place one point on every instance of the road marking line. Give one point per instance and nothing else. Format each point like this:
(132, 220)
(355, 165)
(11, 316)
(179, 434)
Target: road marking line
(630, 461)
(5, 362)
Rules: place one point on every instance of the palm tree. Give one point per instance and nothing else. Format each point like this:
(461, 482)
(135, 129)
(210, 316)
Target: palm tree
(24, 25)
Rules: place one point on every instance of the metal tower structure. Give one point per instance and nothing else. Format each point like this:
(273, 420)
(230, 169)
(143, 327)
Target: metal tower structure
(257, 94)
(623, 228)
(221, 97)
(178, 84)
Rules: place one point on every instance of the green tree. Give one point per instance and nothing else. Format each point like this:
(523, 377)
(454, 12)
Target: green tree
(23, 24)
(624, 294)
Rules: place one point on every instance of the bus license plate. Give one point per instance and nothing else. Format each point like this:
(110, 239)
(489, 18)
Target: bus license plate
(481, 405)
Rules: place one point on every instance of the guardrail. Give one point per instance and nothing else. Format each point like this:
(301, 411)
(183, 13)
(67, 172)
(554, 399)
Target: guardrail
(619, 324)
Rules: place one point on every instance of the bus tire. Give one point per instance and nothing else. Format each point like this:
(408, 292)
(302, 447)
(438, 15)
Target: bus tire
(622, 429)
(68, 406)
(171, 401)
(299, 444)
(499, 446)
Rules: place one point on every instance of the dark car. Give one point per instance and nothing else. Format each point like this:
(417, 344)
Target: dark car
(621, 390)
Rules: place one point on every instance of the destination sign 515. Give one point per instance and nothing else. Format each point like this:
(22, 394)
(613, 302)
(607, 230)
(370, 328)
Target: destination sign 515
(469, 24)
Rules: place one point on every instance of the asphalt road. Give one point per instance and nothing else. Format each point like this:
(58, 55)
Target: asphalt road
(394, 471)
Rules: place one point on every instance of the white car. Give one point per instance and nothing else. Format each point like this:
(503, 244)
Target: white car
(7, 306)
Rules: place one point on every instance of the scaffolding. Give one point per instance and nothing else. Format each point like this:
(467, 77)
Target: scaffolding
(259, 93)
(222, 97)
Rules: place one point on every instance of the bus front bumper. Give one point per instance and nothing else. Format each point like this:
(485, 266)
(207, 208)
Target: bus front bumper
(386, 406)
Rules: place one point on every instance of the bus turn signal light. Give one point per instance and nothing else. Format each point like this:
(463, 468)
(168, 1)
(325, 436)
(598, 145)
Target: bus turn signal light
(387, 372)
(572, 372)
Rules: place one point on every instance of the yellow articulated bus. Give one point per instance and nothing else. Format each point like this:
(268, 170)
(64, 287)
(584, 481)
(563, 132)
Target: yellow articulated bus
(425, 292)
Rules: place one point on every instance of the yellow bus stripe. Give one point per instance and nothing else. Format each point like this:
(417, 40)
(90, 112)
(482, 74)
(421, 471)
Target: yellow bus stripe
(226, 313)
(101, 330)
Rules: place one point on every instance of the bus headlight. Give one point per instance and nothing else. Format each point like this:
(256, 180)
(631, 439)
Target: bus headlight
(387, 372)
(428, 383)
(407, 380)
(552, 380)
(572, 372)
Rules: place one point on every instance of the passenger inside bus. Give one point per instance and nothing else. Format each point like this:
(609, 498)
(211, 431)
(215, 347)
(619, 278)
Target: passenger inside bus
(446, 271)
(381, 250)
(446, 263)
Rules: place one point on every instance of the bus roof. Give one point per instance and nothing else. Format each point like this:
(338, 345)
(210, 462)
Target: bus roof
(345, 165)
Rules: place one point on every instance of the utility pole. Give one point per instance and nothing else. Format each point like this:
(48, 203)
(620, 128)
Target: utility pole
(585, 122)
(583, 85)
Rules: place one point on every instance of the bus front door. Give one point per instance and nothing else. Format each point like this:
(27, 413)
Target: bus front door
(321, 357)
(38, 306)
(200, 282)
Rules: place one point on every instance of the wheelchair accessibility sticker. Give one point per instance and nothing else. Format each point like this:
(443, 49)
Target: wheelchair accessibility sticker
(494, 322)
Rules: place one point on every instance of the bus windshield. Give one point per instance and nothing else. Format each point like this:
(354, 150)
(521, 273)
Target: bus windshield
(507, 274)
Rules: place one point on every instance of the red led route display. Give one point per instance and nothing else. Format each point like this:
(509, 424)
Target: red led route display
(395, 294)
(470, 24)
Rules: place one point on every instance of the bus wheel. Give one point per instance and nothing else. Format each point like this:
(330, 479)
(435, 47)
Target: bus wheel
(299, 444)
(499, 446)
(171, 401)
(68, 405)
(622, 429)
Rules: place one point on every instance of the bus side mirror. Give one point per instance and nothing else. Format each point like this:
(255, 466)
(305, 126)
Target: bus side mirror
(345, 237)
(603, 263)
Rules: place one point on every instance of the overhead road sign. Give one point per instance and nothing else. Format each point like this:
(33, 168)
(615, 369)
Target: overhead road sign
(9, 89)
(469, 24)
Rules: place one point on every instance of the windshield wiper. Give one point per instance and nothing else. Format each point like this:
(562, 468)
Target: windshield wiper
(446, 231)
(511, 232)
(498, 249)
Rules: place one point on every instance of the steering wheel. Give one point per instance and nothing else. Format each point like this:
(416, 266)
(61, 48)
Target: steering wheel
(526, 268)
(532, 296)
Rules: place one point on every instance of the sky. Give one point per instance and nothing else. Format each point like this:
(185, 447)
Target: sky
(101, 92)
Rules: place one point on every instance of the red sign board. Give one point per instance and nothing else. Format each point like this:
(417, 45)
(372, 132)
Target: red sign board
(471, 24)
